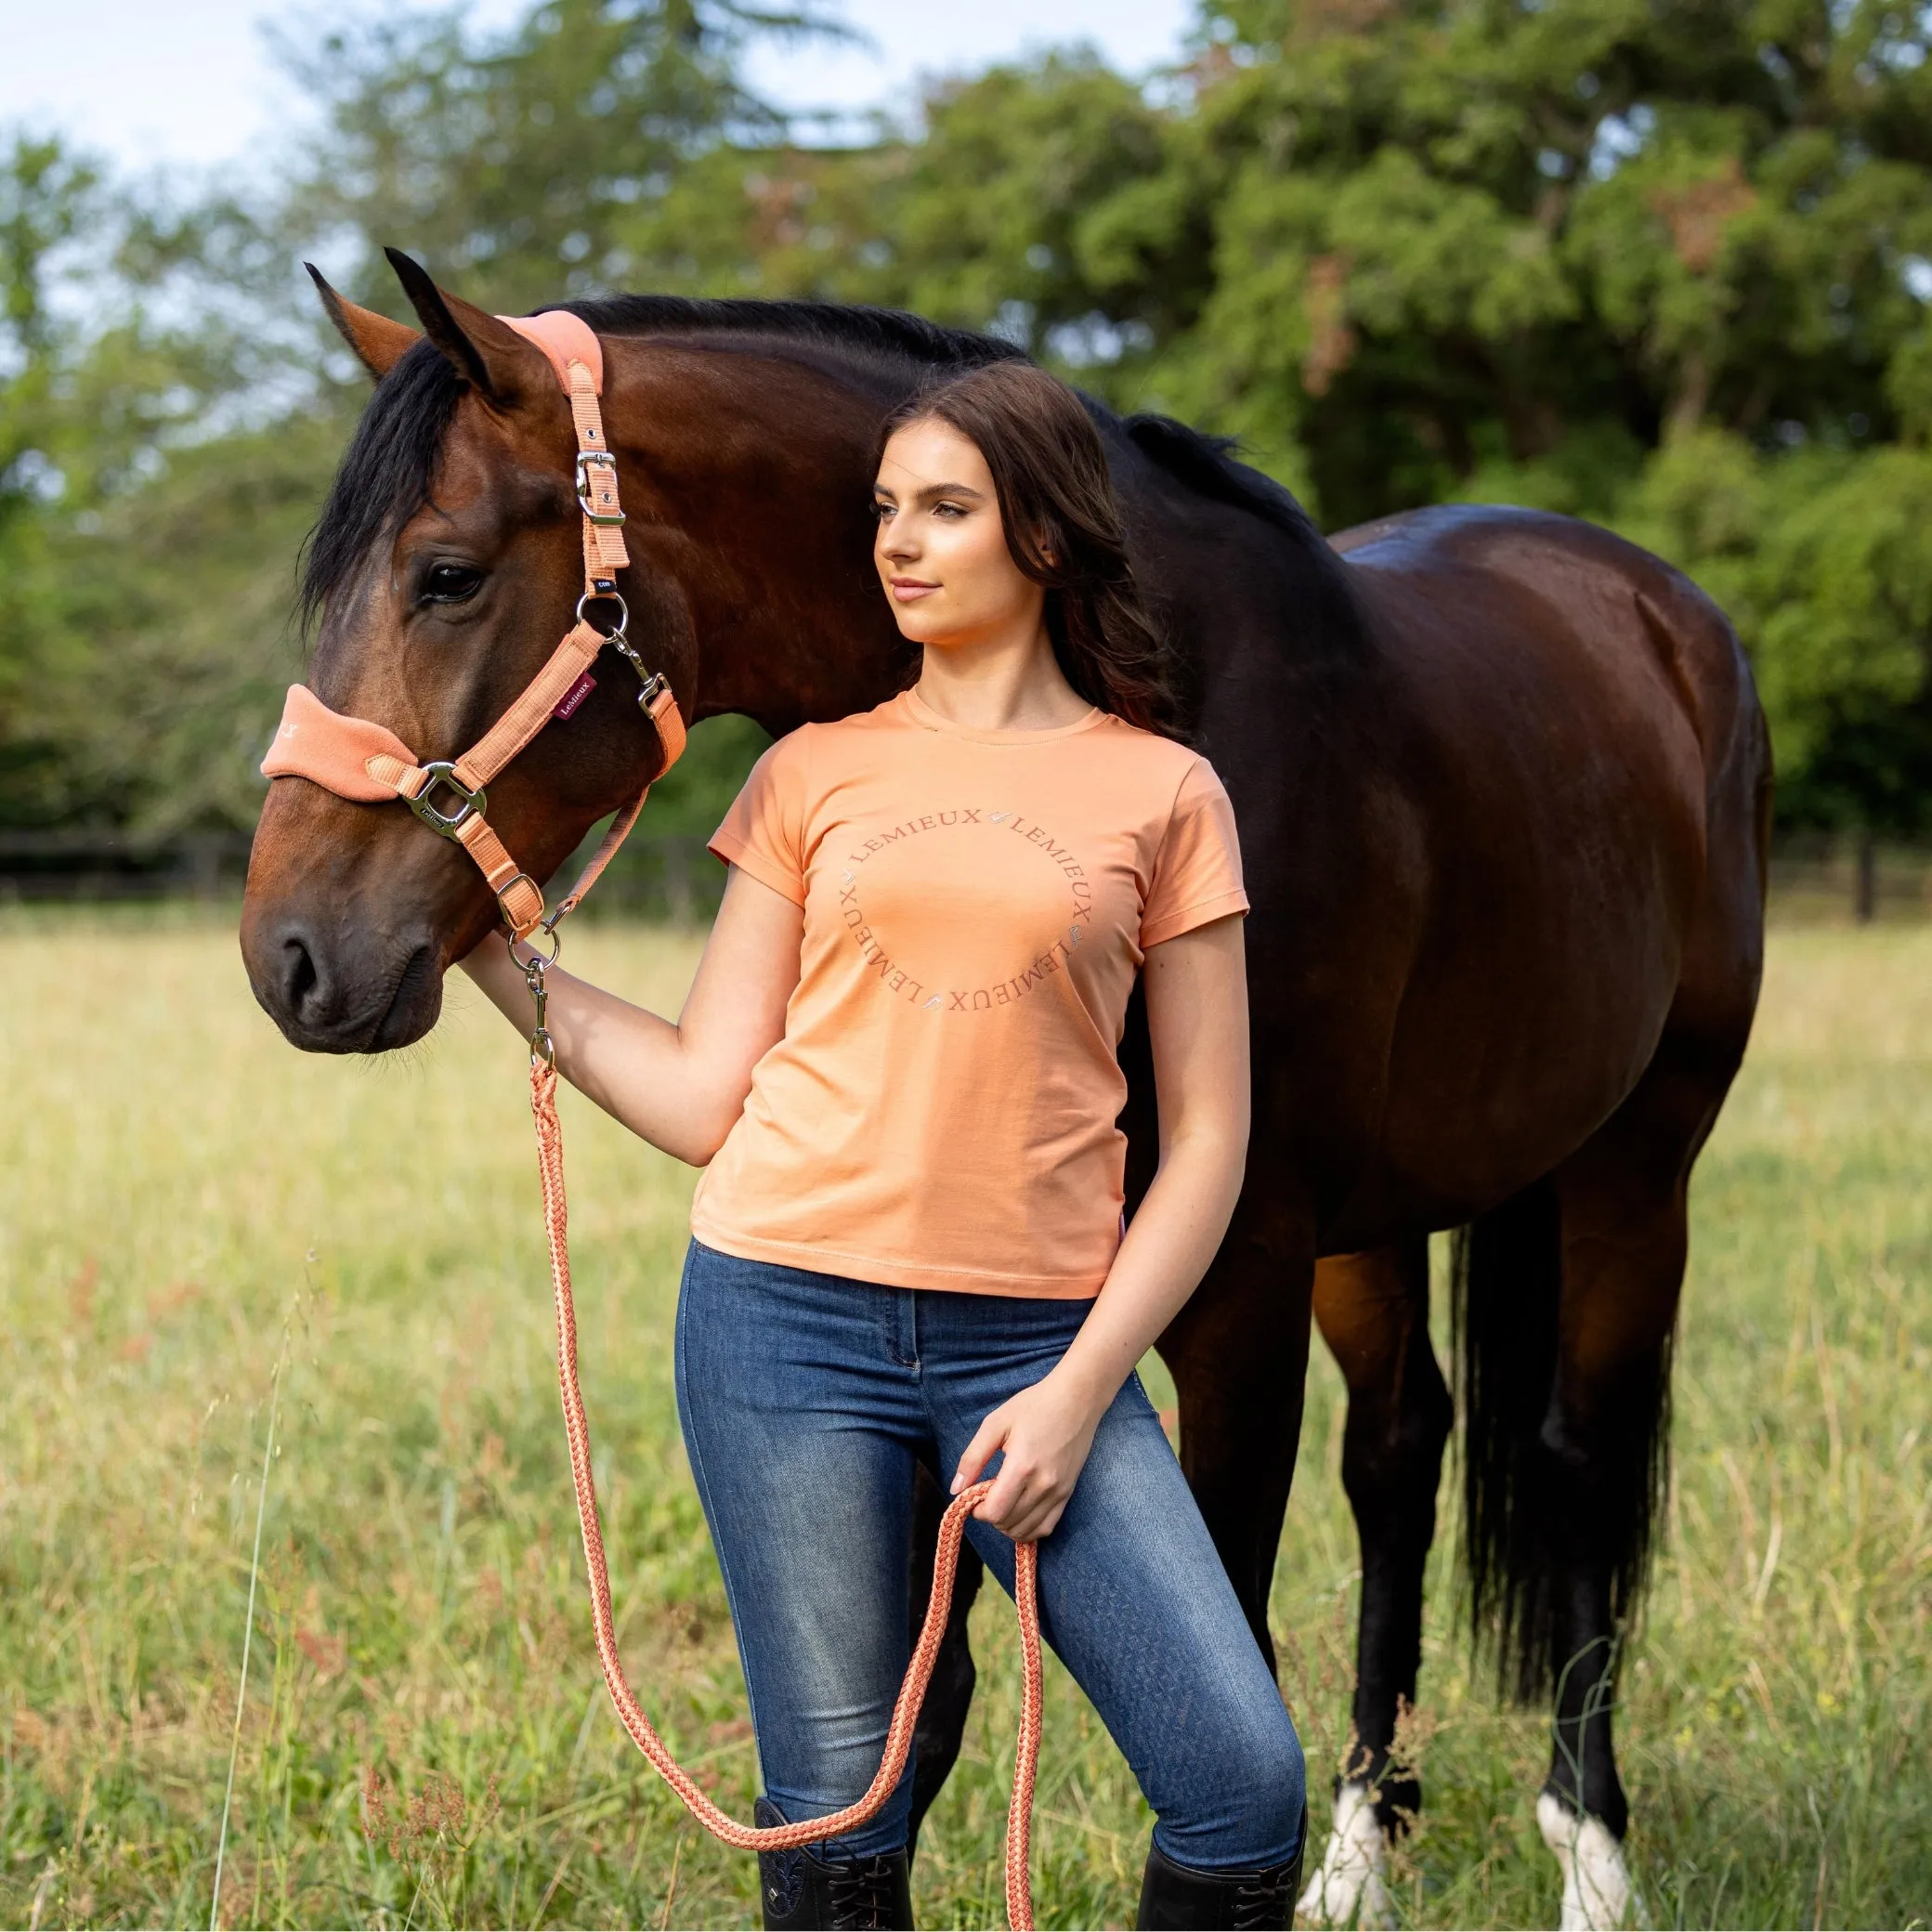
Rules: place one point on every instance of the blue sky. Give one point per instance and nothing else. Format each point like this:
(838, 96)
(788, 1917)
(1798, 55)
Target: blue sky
(193, 83)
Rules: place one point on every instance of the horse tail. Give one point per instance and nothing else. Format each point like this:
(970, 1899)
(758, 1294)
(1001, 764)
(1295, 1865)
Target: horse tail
(1530, 1513)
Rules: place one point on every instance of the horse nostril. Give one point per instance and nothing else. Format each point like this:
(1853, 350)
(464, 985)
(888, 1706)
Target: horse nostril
(298, 975)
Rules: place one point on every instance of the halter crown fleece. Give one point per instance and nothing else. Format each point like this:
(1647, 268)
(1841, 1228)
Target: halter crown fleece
(355, 758)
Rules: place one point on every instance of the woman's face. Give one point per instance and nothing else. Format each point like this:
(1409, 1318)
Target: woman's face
(941, 548)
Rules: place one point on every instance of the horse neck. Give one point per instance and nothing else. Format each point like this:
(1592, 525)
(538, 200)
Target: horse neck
(747, 477)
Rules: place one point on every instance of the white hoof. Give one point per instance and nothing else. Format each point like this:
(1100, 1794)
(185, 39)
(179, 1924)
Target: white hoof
(1349, 1885)
(1596, 1881)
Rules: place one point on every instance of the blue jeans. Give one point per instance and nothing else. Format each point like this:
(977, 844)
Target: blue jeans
(807, 1400)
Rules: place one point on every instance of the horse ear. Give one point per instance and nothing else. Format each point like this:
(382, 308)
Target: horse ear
(503, 366)
(378, 342)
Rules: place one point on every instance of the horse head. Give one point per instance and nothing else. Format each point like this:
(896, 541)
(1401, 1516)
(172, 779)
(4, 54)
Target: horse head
(447, 565)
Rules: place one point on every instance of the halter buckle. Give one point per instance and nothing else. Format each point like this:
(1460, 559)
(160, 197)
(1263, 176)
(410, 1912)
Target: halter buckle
(502, 894)
(445, 823)
(602, 458)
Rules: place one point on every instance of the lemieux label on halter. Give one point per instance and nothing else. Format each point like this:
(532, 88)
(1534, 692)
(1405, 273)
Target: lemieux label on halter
(575, 695)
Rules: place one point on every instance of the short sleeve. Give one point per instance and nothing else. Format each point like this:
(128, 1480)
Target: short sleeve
(1197, 870)
(763, 831)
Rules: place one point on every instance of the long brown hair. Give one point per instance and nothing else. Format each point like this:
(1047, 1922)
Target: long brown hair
(1057, 502)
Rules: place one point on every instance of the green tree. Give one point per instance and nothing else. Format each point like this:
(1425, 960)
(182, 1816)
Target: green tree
(1669, 268)
(147, 521)
(1821, 558)
(46, 197)
(532, 165)
(1642, 263)
(156, 479)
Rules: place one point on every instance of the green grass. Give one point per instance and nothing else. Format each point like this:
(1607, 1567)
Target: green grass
(185, 1205)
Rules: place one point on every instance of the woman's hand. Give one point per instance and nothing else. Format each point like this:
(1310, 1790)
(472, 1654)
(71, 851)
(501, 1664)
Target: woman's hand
(1046, 1432)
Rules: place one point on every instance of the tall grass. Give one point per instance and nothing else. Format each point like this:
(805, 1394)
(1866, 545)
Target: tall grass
(424, 1738)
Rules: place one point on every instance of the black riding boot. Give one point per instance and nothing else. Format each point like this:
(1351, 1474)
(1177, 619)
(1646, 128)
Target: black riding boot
(1178, 1898)
(799, 1891)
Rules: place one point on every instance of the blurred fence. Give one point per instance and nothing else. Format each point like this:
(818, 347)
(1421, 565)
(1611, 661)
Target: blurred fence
(1815, 876)
(662, 876)
(97, 866)
(669, 876)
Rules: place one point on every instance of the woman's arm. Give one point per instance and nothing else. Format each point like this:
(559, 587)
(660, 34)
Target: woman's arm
(681, 1086)
(1197, 991)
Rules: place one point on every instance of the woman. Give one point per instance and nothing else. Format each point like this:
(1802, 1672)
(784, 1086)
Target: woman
(897, 1067)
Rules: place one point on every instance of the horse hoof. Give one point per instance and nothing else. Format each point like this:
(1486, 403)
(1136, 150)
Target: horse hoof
(1349, 1884)
(1596, 1880)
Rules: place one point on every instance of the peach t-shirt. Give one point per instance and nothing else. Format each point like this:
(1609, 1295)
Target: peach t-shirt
(940, 1113)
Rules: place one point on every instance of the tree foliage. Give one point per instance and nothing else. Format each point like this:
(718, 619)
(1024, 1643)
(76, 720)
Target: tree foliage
(1665, 267)
(533, 167)
(1669, 267)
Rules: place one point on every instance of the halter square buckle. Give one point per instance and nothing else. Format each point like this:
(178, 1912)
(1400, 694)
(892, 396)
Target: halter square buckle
(603, 459)
(447, 823)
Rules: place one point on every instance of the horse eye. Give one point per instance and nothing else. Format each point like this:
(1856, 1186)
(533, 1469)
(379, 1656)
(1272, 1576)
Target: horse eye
(451, 583)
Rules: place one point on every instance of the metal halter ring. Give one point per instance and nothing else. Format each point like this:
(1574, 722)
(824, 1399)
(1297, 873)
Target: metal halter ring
(447, 823)
(624, 612)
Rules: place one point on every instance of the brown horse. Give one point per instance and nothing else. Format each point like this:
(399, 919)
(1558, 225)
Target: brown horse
(1502, 783)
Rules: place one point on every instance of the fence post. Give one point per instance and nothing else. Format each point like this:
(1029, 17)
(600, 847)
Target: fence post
(1865, 904)
(201, 864)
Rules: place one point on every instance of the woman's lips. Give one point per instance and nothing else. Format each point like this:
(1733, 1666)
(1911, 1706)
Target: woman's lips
(909, 590)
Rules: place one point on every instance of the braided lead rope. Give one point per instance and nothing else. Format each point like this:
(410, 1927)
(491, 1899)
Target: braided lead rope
(899, 1742)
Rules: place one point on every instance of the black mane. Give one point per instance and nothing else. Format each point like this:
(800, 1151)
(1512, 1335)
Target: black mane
(386, 474)
(888, 338)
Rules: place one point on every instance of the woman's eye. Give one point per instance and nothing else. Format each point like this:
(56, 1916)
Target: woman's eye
(948, 510)
(451, 583)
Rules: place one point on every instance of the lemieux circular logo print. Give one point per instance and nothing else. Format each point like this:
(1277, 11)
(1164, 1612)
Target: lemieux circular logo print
(964, 910)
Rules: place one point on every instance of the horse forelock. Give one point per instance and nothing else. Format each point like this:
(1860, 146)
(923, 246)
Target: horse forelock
(385, 474)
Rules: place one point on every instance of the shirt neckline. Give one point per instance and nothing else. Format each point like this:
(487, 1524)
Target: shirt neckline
(918, 711)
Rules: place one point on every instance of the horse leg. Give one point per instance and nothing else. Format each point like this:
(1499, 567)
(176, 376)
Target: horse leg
(1238, 1354)
(942, 1719)
(1566, 1314)
(1372, 1309)
(1623, 1199)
